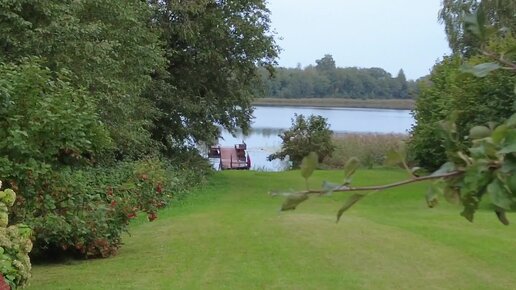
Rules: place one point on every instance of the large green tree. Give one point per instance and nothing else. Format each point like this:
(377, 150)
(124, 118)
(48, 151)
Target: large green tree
(110, 48)
(214, 50)
(496, 14)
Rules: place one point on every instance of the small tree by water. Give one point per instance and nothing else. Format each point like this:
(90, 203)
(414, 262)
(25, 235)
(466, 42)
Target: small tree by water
(310, 134)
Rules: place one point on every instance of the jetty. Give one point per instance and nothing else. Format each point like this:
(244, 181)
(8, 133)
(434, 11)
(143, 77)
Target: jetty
(231, 158)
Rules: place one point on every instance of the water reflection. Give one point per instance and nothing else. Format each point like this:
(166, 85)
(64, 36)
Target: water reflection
(261, 142)
(269, 122)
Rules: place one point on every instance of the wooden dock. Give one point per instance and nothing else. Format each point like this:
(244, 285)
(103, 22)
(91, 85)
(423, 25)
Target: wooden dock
(231, 157)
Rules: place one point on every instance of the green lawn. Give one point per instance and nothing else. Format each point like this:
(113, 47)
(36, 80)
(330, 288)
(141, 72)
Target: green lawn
(230, 235)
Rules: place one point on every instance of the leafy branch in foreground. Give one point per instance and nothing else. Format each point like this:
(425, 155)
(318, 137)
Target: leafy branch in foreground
(488, 167)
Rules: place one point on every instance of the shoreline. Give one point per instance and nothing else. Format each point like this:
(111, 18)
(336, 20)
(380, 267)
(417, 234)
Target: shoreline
(394, 104)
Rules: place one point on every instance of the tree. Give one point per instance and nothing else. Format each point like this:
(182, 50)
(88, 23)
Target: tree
(325, 80)
(110, 48)
(214, 50)
(325, 64)
(498, 14)
(470, 100)
(311, 134)
(403, 86)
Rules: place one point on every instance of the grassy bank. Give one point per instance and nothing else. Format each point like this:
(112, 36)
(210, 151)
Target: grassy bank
(336, 102)
(231, 236)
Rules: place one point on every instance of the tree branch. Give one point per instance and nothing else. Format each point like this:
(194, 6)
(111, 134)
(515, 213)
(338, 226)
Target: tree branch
(509, 65)
(345, 188)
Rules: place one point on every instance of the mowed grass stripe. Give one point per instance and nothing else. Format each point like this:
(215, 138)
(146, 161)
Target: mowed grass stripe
(230, 235)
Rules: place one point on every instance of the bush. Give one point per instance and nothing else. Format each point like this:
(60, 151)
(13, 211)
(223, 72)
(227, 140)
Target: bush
(473, 101)
(15, 245)
(83, 212)
(370, 149)
(50, 139)
(306, 135)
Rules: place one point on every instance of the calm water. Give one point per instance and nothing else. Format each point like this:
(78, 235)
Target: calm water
(271, 121)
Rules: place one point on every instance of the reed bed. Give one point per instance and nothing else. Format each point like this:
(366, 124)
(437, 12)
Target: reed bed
(369, 148)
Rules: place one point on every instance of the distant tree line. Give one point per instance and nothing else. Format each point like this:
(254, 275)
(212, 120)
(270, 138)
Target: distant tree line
(325, 80)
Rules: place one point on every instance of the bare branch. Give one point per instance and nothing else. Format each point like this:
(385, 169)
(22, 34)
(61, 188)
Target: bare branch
(345, 188)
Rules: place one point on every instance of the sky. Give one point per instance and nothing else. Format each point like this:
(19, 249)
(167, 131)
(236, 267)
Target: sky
(390, 34)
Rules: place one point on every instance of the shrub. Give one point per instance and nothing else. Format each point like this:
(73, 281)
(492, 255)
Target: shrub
(306, 135)
(15, 245)
(83, 212)
(50, 138)
(370, 149)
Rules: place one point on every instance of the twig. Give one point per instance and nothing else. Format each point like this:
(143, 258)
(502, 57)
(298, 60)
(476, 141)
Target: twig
(510, 65)
(345, 188)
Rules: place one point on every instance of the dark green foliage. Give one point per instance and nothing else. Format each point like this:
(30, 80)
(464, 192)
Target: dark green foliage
(51, 137)
(79, 140)
(474, 101)
(108, 47)
(45, 123)
(311, 134)
(325, 80)
(432, 106)
(213, 49)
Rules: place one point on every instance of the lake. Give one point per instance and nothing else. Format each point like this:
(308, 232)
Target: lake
(270, 121)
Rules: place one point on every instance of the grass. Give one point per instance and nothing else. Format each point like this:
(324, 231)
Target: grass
(230, 235)
(403, 104)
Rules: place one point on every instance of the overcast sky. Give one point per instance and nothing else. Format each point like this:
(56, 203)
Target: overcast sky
(390, 34)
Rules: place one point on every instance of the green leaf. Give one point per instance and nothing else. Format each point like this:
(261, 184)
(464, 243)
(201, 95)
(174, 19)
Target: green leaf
(499, 133)
(511, 122)
(349, 203)
(509, 167)
(351, 166)
(500, 214)
(445, 168)
(476, 178)
(308, 165)
(451, 194)
(470, 203)
(432, 195)
(293, 200)
(479, 132)
(474, 23)
(499, 195)
(396, 156)
(480, 70)
(510, 148)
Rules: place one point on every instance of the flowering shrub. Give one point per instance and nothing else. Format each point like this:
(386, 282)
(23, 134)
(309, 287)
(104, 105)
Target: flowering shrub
(84, 212)
(15, 245)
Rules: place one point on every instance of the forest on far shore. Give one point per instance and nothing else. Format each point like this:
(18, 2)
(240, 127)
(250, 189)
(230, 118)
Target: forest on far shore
(326, 80)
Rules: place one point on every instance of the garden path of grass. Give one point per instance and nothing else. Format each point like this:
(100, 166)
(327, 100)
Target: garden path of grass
(230, 235)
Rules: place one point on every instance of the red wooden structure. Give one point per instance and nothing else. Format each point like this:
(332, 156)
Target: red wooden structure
(231, 157)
